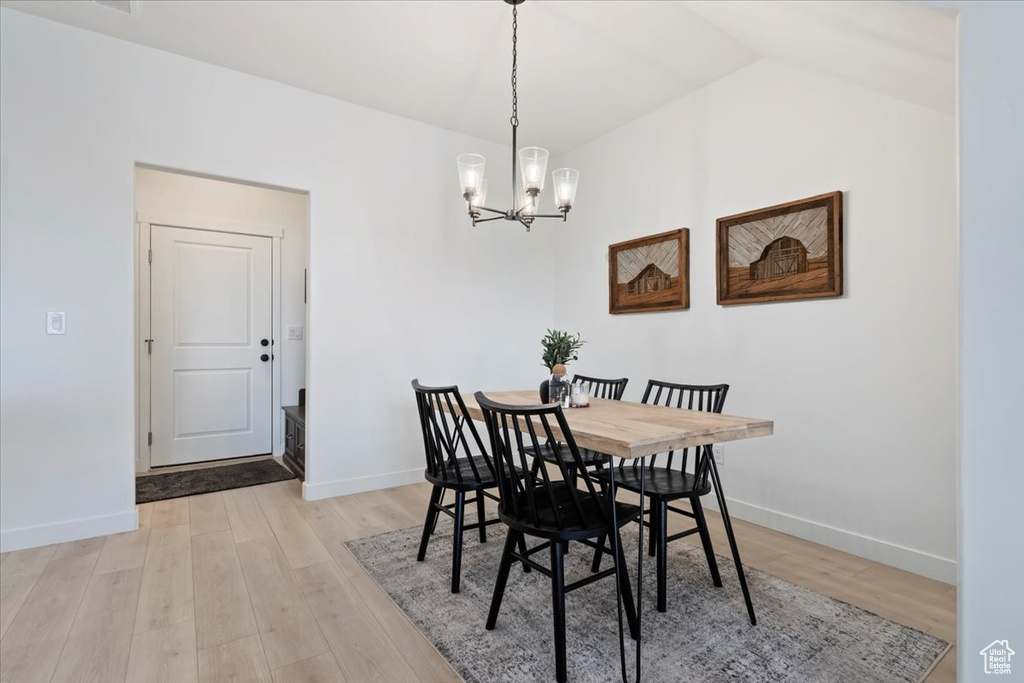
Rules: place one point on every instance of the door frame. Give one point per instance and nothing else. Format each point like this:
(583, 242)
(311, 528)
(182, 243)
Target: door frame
(143, 221)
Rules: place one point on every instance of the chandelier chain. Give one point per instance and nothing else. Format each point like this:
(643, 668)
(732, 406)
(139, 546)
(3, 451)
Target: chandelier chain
(515, 99)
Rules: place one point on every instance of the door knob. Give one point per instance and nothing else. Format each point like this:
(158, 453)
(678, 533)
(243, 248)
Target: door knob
(264, 342)
(264, 358)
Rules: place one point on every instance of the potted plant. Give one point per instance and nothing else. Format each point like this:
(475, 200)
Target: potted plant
(558, 349)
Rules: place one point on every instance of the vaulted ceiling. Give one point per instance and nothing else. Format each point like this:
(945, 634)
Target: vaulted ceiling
(585, 68)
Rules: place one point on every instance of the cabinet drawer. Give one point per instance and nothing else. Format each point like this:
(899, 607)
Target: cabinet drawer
(295, 440)
(290, 434)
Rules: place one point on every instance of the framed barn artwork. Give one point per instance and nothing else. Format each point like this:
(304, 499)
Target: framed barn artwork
(650, 273)
(784, 252)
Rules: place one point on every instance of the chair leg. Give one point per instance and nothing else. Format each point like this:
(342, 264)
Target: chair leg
(705, 539)
(428, 524)
(652, 540)
(440, 501)
(558, 608)
(574, 481)
(595, 566)
(499, 584)
(460, 514)
(602, 484)
(626, 589)
(662, 509)
(732, 541)
(522, 551)
(480, 515)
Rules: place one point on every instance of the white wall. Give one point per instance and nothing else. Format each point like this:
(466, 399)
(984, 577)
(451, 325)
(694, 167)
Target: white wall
(164, 193)
(400, 285)
(991, 113)
(862, 388)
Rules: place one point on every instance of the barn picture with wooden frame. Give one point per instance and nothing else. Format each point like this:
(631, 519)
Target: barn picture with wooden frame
(650, 273)
(781, 253)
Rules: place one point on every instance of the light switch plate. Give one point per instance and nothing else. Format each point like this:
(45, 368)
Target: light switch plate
(294, 332)
(55, 322)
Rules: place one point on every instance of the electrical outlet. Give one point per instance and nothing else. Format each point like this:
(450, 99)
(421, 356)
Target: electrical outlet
(56, 322)
(719, 452)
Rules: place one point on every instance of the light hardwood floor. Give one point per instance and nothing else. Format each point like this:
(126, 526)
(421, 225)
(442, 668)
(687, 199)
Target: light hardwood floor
(256, 585)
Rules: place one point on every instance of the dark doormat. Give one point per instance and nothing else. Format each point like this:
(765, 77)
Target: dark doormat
(193, 482)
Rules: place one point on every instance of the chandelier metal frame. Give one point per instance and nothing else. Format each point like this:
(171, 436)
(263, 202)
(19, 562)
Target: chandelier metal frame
(522, 214)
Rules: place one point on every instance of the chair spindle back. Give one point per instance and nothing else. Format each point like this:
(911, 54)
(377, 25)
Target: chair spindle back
(705, 397)
(603, 388)
(523, 491)
(444, 422)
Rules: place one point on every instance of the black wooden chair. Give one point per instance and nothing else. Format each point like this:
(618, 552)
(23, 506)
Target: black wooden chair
(455, 461)
(665, 484)
(538, 506)
(611, 389)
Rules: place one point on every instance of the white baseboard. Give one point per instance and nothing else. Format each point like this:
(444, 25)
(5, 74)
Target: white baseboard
(892, 554)
(72, 530)
(343, 487)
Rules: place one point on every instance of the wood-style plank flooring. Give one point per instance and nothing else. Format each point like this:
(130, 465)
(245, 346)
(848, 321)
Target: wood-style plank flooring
(257, 585)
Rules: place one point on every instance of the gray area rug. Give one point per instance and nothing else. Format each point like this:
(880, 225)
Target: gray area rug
(153, 487)
(704, 636)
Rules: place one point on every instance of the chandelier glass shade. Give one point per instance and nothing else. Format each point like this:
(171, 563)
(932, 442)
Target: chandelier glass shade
(532, 164)
(565, 181)
(471, 172)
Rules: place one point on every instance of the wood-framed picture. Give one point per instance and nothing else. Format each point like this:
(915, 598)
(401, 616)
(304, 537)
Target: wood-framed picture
(650, 273)
(784, 252)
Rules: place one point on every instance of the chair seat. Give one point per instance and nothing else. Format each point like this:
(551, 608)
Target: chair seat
(466, 479)
(660, 482)
(590, 458)
(573, 526)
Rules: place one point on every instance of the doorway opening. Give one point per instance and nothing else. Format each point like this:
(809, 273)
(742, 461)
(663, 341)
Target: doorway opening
(220, 319)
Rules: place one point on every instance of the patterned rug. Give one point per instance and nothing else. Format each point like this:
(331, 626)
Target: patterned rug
(705, 635)
(153, 487)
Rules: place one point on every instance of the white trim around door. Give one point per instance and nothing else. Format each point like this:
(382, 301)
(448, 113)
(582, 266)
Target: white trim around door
(177, 220)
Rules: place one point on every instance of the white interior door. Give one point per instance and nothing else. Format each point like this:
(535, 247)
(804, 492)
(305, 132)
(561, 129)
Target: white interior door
(211, 354)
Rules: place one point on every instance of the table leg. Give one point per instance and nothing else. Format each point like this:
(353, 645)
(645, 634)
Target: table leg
(639, 575)
(640, 571)
(732, 538)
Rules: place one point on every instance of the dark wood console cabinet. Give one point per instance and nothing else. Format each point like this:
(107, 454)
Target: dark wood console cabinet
(295, 436)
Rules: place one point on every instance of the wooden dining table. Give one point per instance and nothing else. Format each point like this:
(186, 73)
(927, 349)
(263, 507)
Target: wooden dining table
(635, 431)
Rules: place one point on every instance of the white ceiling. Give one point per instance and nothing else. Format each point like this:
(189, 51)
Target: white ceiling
(903, 50)
(585, 68)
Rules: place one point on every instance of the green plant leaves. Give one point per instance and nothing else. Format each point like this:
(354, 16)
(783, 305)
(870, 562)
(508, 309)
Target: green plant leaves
(559, 347)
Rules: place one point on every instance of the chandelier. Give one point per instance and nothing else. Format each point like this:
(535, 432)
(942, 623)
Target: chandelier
(533, 163)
